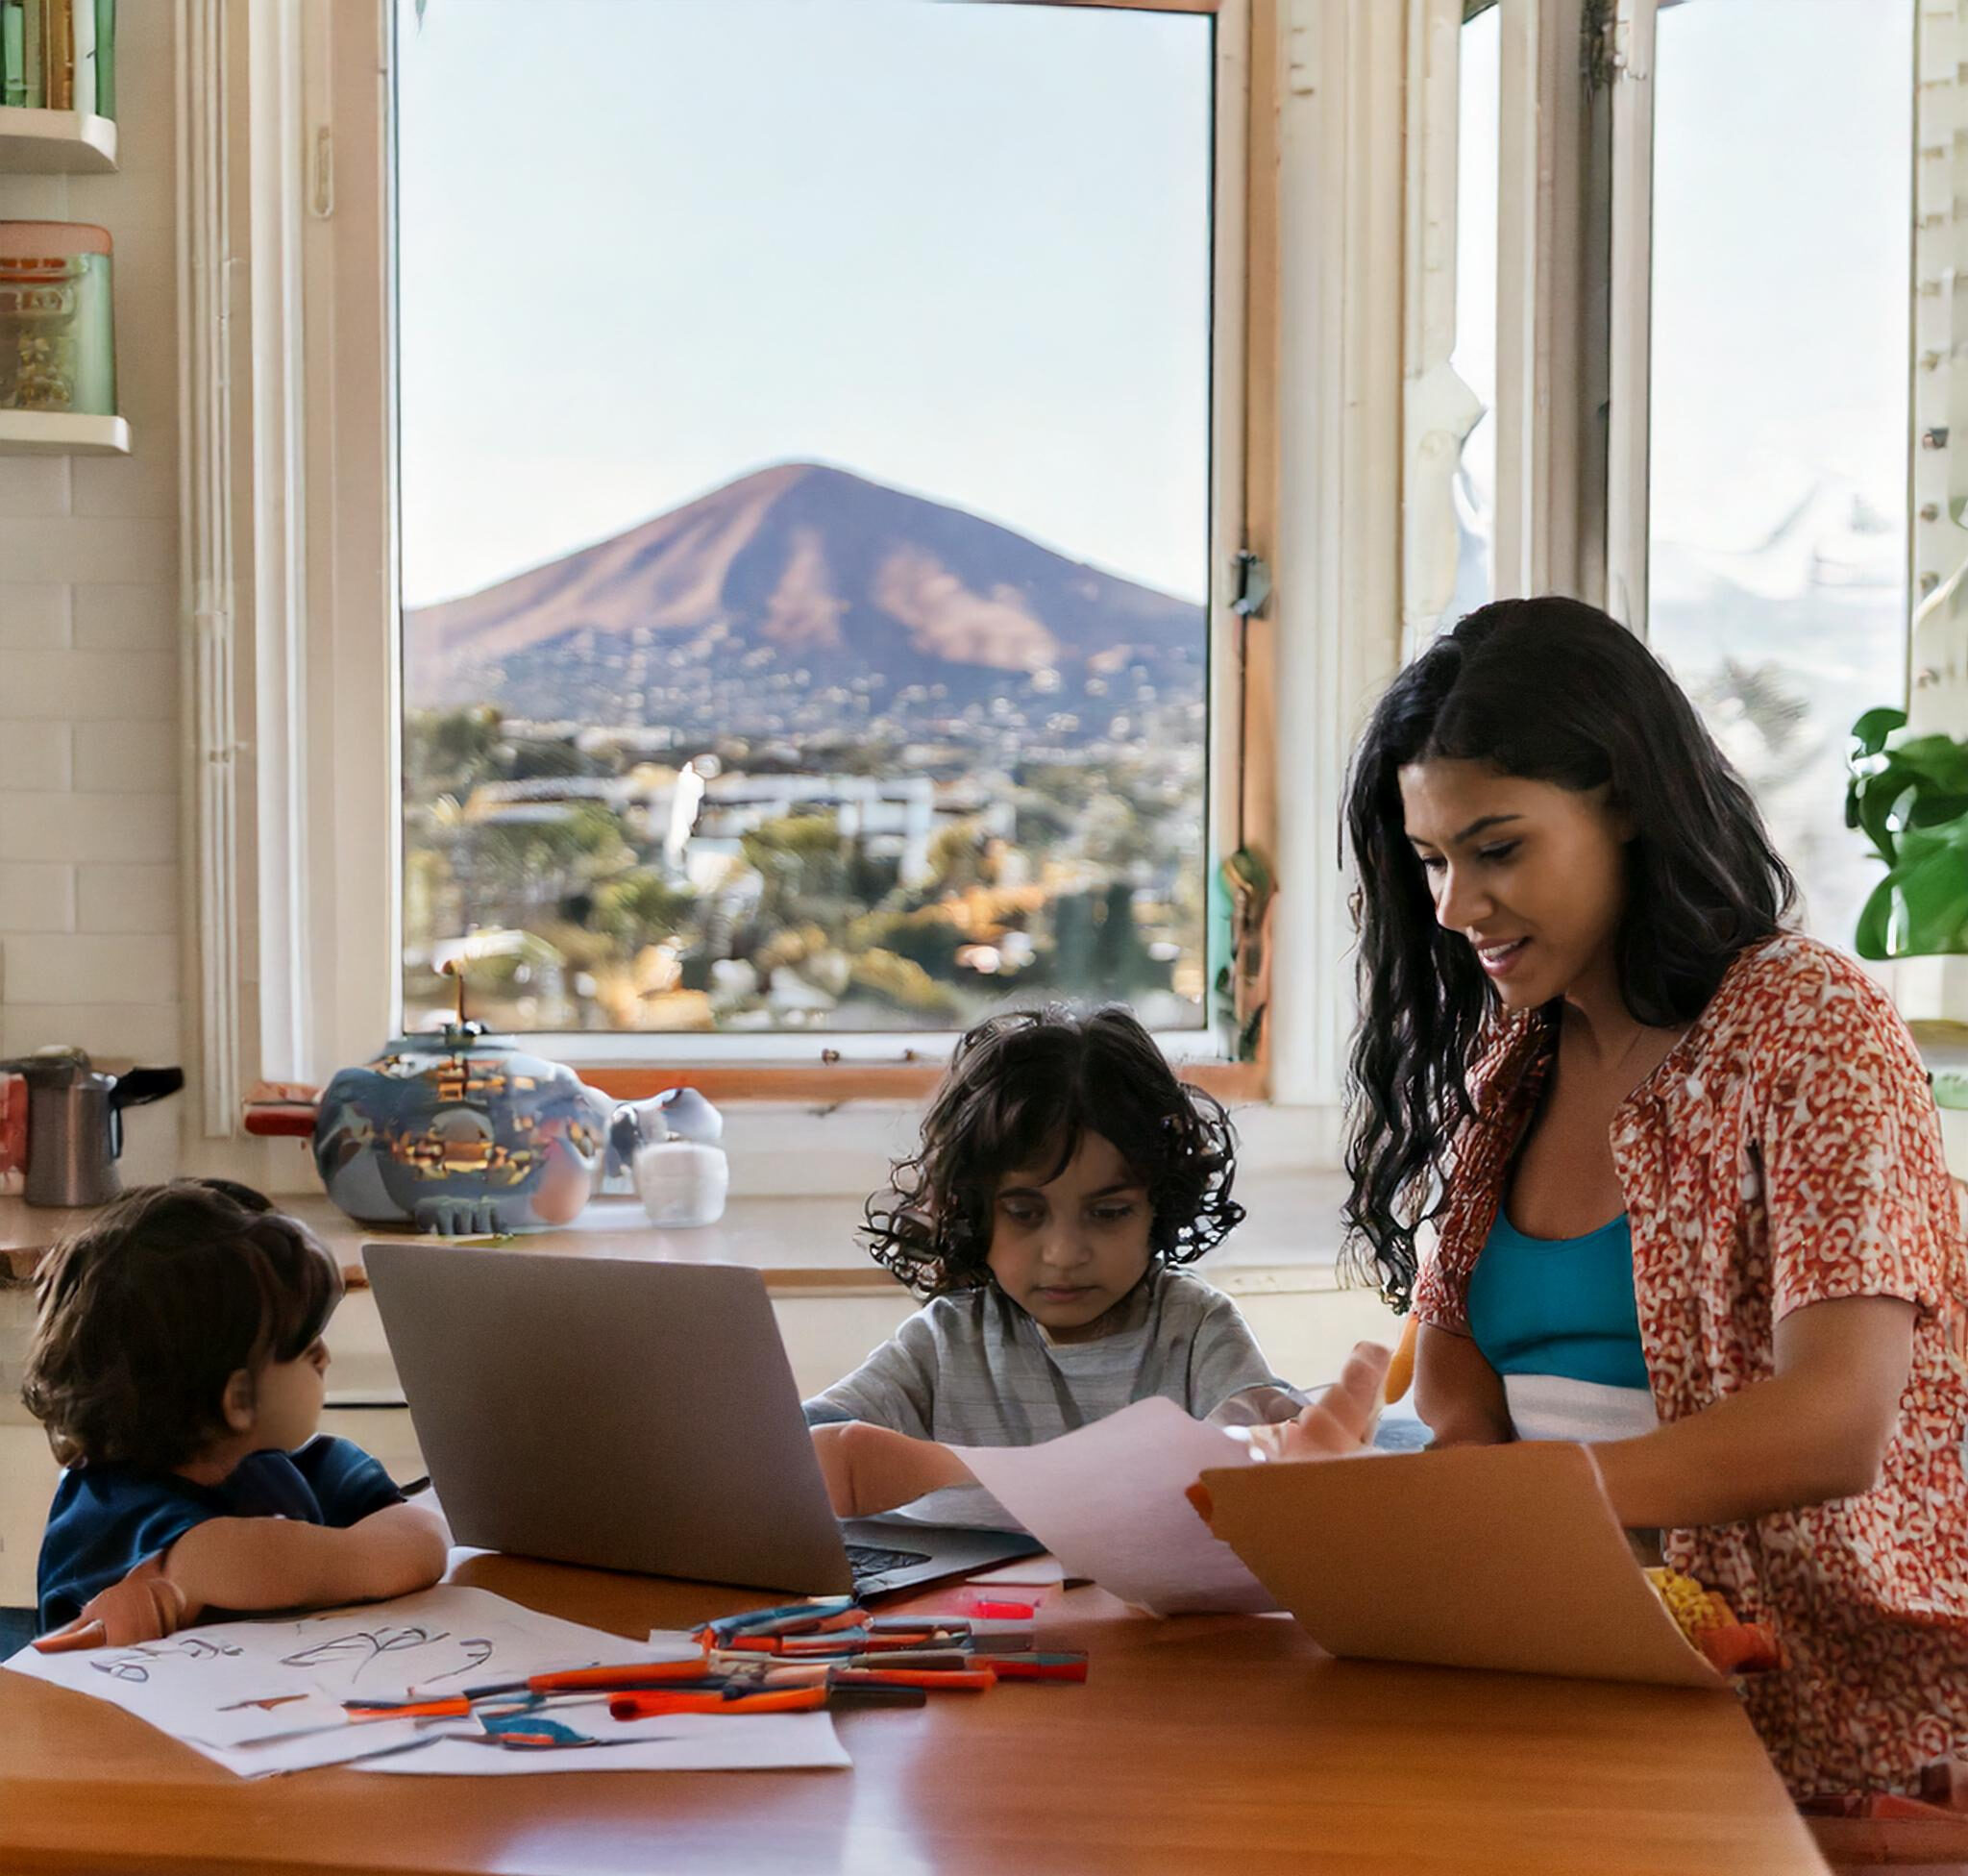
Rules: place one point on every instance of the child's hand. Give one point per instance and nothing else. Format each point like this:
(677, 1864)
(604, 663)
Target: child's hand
(146, 1606)
(1339, 1423)
(873, 1469)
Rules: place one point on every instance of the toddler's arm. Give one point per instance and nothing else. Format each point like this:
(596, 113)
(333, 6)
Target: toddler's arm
(1230, 1382)
(873, 1469)
(262, 1563)
(894, 1387)
(145, 1606)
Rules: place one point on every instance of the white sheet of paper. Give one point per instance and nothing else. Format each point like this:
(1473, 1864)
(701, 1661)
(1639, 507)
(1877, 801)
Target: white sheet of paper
(669, 1642)
(1108, 1502)
(254, 1696)
(685, 1743)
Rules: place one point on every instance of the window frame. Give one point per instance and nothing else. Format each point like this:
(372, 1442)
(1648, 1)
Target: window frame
(1576, 241)
(356, 38)
(1557, 398)
(1920, 986)
(1318, 449)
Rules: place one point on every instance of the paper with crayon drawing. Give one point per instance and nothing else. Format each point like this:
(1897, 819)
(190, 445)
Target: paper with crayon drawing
(267, 1696)
(681, 1742)
(1108, 1502)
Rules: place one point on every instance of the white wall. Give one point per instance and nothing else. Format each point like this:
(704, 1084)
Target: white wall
(89, 738)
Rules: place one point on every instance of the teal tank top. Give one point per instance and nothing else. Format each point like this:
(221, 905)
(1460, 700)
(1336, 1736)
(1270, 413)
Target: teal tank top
(1560, 1306)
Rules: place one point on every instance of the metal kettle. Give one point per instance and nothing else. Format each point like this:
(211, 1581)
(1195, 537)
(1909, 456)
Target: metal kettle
(75, 1123)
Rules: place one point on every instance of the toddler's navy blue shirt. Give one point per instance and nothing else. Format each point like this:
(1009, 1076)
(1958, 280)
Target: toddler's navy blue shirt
(106, 1520)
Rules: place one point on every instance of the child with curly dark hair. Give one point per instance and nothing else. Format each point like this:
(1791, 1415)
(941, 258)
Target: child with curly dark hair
(1065, 1174)
(178, 1366)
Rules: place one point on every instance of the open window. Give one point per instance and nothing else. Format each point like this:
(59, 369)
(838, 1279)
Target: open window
(784, 519)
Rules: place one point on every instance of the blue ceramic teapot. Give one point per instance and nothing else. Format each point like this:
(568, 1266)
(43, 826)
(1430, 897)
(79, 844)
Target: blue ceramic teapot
(460, 1133)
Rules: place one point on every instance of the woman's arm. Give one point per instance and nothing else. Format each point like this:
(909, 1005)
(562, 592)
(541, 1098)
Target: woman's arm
(1817, 1429)
(1457, 1393)
(873, 1469)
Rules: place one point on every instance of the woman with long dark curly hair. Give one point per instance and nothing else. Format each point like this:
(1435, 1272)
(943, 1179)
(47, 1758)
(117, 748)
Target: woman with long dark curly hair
(1063, 1176)
(1682, 1171)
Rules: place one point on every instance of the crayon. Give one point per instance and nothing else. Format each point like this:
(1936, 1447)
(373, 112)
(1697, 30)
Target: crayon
(977, 1681)
(1067, 1667)
(815, 1609)
(656, 1703)
(637, 1673)
(877, 1697)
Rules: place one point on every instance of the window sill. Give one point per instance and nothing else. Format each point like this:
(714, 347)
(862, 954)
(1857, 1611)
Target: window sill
(826, 1085)
(805, 1243)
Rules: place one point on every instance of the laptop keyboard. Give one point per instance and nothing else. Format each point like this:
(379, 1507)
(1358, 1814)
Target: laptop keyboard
(868, 1560)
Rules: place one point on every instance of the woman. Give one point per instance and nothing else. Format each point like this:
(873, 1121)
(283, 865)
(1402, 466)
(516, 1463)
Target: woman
(1685, 1174)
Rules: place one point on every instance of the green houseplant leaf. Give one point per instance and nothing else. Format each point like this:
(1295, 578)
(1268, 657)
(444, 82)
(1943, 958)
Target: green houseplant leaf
(1910, 796)
(1921, 905)
(1872, 730)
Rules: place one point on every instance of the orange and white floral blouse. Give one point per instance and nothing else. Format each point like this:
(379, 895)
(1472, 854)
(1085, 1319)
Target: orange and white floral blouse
(1785, 1152)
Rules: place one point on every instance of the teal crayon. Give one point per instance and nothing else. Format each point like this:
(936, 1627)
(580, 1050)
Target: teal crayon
(762, 1621)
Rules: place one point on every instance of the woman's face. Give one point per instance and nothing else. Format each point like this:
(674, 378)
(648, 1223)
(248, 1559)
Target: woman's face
(1533, 874)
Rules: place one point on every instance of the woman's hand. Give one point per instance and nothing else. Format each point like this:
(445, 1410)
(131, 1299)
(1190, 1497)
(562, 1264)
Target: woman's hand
(873, 1469)
(146, 1606)
(1339, 1423)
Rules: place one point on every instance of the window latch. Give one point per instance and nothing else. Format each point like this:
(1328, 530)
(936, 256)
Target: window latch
(1253, 577)
(324, 173)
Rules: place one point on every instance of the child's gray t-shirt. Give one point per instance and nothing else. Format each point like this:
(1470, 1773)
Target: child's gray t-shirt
(974, 1370)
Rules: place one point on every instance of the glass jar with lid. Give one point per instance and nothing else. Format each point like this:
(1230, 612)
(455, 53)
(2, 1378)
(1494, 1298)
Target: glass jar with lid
(56, 335)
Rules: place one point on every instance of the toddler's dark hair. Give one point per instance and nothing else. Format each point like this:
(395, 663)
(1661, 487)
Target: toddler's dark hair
(147, 1312)
(1021, 1089)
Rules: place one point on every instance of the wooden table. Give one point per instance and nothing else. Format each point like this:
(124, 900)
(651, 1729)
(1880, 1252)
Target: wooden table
(1207, 1745)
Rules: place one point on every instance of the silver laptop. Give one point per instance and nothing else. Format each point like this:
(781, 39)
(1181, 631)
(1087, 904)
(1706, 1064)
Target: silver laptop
(632, 1416)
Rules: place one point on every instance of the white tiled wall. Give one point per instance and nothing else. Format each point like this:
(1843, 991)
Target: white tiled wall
(89, 714)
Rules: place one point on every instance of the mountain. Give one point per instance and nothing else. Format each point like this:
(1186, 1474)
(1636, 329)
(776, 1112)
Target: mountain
(802, 596)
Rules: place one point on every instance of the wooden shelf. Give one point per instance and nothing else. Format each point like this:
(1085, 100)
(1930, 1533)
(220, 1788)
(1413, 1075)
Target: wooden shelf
(61, 433)
(56, 142)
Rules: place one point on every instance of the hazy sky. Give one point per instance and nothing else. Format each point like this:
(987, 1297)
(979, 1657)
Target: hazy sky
(963, 249)
(1782, 177)
(649, 245)
(1781, 198)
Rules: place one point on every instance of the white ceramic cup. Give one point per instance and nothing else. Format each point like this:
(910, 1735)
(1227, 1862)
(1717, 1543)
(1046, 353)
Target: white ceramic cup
(681, 1182)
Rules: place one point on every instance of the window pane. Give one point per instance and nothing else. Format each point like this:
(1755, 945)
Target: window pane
(1778, 481)
(804, 471)
(1477, 154)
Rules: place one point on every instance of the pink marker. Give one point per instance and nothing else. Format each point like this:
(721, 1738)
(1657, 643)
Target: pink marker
(1002, 1612)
